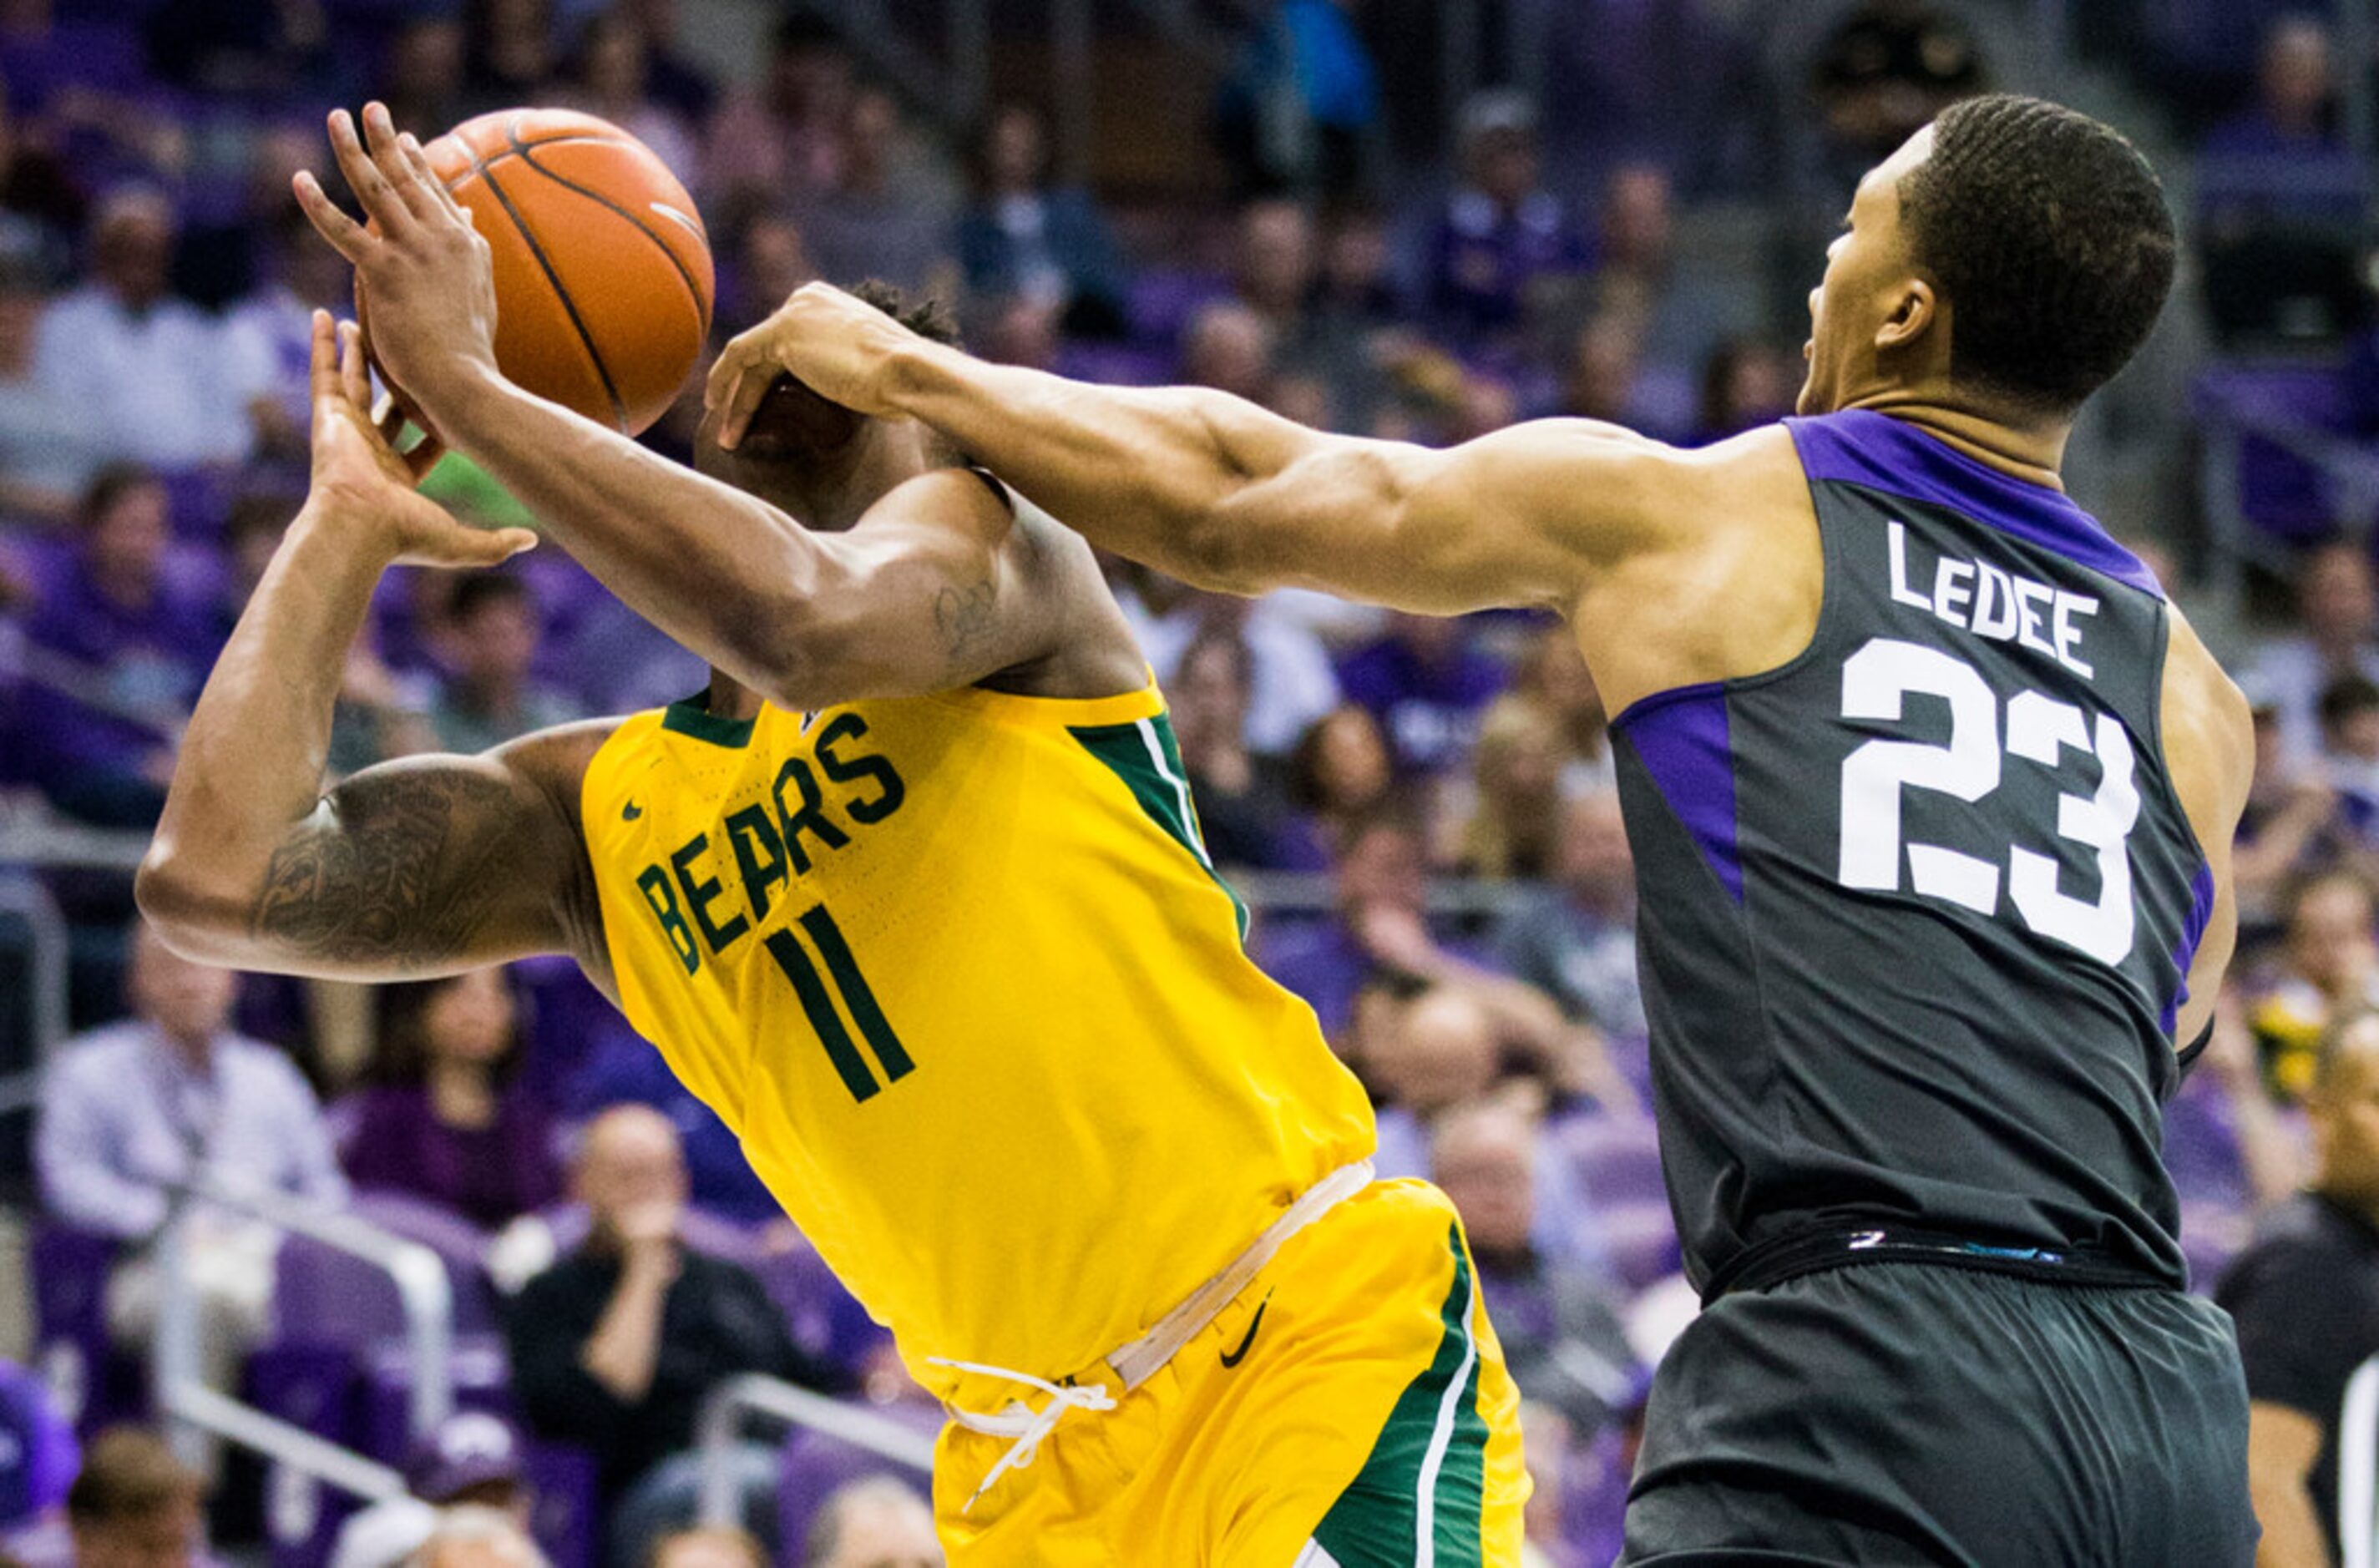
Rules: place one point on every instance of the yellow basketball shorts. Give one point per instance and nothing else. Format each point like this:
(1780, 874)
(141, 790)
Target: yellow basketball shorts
(1349, 1408)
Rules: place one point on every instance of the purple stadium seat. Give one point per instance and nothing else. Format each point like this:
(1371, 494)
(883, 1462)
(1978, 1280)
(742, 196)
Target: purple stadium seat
(814, 1466)
(1594, 1495)
(38, 1456)
(321, 1296)
(2280, 492)
(2211, 1235)
(482, 1381)
(303, 1517)
(563, 1015)
(1617, 1158)
(315, 1387)
(309, 1385)
(2201, 1145)
(461, 1245)
(566, 1520)
(826, 1320)
(1641, 1241)
(95, 1384)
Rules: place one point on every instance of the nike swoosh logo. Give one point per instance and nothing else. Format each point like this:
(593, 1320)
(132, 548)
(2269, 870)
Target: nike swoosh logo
(630, 811)
(1233, 1358)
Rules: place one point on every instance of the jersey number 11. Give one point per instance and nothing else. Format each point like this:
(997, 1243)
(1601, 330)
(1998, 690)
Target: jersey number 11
(818, 1003)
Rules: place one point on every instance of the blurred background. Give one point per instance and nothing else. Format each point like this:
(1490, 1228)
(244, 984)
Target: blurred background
(357, 1240)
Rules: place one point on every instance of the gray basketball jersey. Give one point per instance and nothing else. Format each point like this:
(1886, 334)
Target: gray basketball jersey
(1917, 907)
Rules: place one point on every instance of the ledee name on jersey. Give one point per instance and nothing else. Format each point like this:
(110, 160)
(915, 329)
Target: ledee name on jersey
(1991, 601)
(770, 842)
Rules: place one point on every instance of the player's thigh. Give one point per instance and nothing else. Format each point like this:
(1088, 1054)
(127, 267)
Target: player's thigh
(1379, 1427)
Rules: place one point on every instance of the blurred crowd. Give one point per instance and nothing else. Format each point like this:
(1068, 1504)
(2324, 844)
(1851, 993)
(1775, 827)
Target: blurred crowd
(1423, 812)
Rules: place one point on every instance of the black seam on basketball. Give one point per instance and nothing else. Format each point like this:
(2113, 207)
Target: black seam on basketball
(527, 151)
(479, 165)
(594, 357)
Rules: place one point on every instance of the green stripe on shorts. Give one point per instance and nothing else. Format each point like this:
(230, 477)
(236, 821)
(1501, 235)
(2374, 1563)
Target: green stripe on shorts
(1419, 1497)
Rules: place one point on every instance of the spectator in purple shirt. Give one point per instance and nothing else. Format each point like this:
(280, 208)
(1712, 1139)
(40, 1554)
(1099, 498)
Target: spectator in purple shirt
(2295, 108)
(1427, 686)
(445, 1122)
(1503, 235)
(1380, 924)
(116, 661)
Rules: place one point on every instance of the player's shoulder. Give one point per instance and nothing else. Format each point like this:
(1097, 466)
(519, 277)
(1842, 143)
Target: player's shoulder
(1615, 492)
(2203, 707)
(554, 761)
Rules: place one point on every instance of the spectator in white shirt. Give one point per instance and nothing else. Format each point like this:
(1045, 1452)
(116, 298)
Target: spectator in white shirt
(2338, 609)
(132, 1111)
(146, 369)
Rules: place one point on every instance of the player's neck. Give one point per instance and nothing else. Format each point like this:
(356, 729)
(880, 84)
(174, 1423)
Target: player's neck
(2032, 450)
(730, 698)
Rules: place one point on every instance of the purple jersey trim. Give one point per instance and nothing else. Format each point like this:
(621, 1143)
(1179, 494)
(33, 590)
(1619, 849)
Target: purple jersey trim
(1860, 447)
(1681, 738)
(2192, 932)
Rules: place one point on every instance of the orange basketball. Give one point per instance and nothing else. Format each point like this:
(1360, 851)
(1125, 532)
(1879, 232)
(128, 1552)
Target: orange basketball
(603, 277)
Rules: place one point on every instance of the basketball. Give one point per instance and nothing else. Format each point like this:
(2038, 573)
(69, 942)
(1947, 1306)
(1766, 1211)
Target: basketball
(602, 270)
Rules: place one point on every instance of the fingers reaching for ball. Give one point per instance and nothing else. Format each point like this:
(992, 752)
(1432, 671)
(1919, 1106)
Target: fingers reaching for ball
(417, 256)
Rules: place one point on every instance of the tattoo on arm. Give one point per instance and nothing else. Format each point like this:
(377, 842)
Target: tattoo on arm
(409, 868)
(964, 618)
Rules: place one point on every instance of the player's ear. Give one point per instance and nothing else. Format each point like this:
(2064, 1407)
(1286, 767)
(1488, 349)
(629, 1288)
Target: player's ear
(1915, 311)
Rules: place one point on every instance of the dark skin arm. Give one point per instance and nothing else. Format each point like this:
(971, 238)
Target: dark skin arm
(419, 867)
(1633, 541)
(937, 585)
(1628, 538)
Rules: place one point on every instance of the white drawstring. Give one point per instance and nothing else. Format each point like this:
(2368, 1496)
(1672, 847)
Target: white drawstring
(1062, 1398)
(1133, 1363)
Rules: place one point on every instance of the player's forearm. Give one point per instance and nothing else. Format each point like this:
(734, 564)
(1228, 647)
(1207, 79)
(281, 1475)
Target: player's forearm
(722, 573)
(1163, 476)
(251, 764)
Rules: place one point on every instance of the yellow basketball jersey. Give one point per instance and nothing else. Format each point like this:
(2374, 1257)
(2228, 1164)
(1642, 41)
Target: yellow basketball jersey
(958, 972)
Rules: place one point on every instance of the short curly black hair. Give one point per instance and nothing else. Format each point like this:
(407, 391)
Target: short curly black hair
(926, 315)
(2048, 233)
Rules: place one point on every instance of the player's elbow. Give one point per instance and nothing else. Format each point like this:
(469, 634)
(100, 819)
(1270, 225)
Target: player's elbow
(809, 659)
(193, 912)
(1211, 551)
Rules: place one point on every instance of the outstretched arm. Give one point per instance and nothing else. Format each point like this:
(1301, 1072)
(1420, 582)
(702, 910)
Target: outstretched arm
(416, 867)
(1217, 491)
(928, 592)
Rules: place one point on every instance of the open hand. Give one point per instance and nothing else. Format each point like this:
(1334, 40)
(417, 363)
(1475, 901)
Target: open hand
(841, 347)
(421, 268)
(360, 481)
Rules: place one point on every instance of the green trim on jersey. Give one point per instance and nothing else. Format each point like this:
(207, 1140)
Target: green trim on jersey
(1421, 1496)
(1144, 755)
(692, 716)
